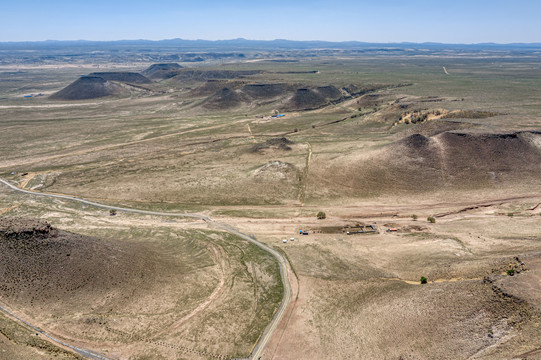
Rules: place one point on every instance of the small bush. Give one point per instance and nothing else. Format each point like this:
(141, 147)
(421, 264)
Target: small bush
(431, 219)
(511, 272)
(414, 217)
(112, 212)
(424, 280)
(321, 215)
(510, 214)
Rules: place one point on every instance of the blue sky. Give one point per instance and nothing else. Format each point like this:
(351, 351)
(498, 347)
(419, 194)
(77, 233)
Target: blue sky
(457, 21)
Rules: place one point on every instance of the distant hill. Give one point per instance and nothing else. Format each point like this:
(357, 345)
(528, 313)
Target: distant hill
(126, 77)
(266, 91)
(225, 99)
(87, 87)
(161, 71)
(228, 94)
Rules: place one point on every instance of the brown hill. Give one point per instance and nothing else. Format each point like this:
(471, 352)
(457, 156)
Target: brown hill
(266, 91)
(490, 156)
(459, 160)
(210, 87)
(306, 99)
(351, 89)
(161, 71)
(286, 96)
(329, 92)
(126, 77)
(466, 159)
(87, 87)
(225, 99)
(40, 264)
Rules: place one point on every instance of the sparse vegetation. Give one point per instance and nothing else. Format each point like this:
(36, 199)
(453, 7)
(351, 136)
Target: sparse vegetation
(471, 114)
(188, 145)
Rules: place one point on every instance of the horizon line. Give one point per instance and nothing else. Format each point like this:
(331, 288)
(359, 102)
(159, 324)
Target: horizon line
(273, 40)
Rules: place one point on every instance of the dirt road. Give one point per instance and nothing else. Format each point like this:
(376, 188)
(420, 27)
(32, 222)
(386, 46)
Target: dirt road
(84, 352)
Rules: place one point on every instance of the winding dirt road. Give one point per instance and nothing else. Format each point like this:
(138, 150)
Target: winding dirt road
(282, 263)
(84, 352)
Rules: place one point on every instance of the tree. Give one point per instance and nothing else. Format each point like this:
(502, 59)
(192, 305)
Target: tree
(424, 280)
(321, 215)
(431, 219)
(414, 217)
(112, 212)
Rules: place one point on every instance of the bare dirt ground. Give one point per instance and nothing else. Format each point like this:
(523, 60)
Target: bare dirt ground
(354, 289)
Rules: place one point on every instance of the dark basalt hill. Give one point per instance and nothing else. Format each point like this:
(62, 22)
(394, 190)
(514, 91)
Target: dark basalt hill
(87, 87)
(266, 91)
(306, 99)
(126, 77)
(225, 99)
(187, 75)
(288, 97)
(472, 151)
(329, 92)
(40, 264)
(465, 159)
(447, 160)
(210, 87)
(161, 71)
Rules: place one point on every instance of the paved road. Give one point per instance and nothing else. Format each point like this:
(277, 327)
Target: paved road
(282, 262)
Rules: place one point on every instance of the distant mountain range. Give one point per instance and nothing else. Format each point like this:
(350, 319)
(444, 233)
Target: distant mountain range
(244, 44)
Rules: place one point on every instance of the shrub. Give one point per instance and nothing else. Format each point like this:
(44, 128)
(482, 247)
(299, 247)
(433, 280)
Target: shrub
(321, 215)
(431, 219)
(424, 280)
(414, 217)
(511, 272)
(112, 212)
